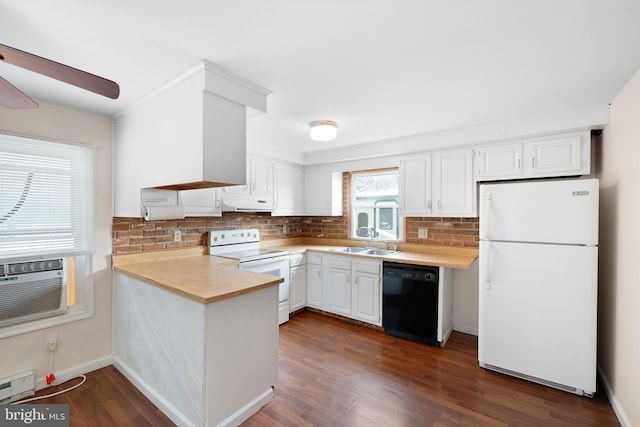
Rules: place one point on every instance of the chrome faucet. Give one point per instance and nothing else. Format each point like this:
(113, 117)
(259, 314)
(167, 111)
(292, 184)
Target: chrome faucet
(369, 233)
(386, 247)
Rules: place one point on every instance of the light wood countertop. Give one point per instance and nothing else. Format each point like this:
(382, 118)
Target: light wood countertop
(206, 279)
(440, 256)
(192, 274)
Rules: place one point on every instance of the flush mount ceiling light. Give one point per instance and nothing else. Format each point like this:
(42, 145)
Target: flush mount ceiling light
(323, 130)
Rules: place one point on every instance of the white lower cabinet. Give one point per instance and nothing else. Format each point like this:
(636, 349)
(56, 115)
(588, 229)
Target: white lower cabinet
(314, 280)
(297, 282)
(366, 291)
(339, 285)
(352, 288)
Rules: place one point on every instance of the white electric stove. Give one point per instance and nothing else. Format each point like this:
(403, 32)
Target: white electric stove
(244, 246)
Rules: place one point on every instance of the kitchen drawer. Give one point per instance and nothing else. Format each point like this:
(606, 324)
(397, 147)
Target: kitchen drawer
(314, 258)
(340, 262)
(368, 267)
(297, 259)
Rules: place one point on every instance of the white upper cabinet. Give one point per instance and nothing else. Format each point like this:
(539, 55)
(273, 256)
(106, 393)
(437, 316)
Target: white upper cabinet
(259, 179)
(415, 185)
(288, 189)
(271, 185)
(558, 155)
(256, 194)
(453, 183)
(201, 202)
(438, 184)
(500, 161)
(322, 191)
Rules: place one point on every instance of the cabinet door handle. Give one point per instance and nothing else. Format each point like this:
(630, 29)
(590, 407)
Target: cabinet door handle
(518, 164)
(429, 204)
(533, 162)
(439, 204)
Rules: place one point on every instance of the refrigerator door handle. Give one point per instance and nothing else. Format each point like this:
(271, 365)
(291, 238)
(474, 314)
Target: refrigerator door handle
(487, 276)
(487, 215)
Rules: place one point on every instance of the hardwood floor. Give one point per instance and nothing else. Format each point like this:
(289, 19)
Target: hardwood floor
(336, 374)
(333, 373)
(106, 399)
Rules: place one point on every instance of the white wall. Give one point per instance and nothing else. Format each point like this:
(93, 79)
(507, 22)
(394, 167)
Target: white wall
(465, 299)
(619, 285)
(86, 342)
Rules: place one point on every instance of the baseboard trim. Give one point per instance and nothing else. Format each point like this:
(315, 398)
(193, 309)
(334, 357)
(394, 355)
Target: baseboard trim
(67, 374)
(466, 329)
(249, 409)
(167, 408)
(615, 404)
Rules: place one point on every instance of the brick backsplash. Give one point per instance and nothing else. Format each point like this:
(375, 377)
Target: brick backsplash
(444, 231)
(137, 235)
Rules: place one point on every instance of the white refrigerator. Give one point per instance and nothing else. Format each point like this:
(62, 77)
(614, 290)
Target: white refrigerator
(538, 282)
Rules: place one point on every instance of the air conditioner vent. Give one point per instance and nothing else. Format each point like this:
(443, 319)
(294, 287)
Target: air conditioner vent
(34, 266)
(32, 290)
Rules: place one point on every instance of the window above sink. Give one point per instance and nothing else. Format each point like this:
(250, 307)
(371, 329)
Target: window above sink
(375, 205)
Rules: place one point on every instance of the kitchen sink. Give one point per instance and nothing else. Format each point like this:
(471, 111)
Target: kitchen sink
(379, 252)
(365, 251)
(352, 249)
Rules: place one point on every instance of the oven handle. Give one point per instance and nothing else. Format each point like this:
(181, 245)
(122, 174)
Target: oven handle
(264, 261)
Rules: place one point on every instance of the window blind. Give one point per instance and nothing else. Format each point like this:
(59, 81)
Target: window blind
(47, 198)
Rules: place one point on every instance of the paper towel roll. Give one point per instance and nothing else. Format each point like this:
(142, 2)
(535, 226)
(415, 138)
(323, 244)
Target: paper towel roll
(154, 213)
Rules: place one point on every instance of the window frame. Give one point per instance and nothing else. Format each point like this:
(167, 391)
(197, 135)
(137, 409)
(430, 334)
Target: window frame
(354, 206)
(82, 270)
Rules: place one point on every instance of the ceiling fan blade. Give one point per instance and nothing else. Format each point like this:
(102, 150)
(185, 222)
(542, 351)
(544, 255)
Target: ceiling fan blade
(10, 97)
(59, 71)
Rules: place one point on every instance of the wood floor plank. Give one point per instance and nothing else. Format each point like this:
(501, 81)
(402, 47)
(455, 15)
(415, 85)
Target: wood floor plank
(333, 373)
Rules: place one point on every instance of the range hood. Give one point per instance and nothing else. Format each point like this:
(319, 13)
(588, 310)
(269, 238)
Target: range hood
(220, 104)
(246, 204)
(188, 134)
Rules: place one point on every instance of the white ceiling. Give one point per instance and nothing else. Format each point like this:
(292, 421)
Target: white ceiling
(381, 69)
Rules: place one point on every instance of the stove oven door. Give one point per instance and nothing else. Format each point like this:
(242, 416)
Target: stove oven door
(274, 266)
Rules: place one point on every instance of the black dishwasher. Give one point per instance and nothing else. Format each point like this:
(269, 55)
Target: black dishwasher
(410, 302)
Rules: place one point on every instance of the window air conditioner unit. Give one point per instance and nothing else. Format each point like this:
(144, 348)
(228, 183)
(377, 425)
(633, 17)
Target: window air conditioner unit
(32, 290)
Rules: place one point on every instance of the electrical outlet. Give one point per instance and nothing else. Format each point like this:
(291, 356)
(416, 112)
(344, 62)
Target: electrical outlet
(284, 229)
(177, 235)
(52, 342)
(423, 233)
